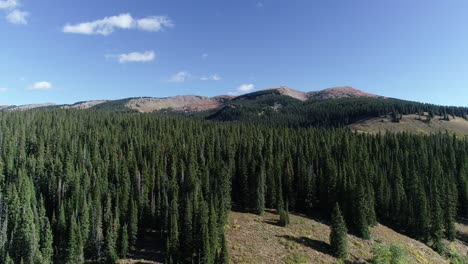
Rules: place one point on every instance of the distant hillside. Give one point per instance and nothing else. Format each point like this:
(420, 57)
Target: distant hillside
(284, 106)
(187, 103)
(412, 123)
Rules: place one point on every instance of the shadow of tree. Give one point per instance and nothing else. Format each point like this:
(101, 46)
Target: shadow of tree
(462, 237)
(273, 222)
(317, 245)
(149, 248)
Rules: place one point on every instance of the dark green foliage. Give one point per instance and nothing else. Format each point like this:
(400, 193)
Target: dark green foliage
(262, 107)
(392, 254)
(124, 248)
(261, 192)
(361, 224)
(75, 244)
(283, 215)
(338, 234)
(87, 185)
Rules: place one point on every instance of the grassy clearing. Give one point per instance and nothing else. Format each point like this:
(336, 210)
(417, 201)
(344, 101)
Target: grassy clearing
(254, 239)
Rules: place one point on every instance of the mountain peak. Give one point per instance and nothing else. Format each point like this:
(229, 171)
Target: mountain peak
(284, 90)
(339, 92)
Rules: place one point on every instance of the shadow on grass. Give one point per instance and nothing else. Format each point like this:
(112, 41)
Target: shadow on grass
(316, 245)
(462, 237)
(273, 222)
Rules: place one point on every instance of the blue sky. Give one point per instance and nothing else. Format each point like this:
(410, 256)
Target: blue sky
(67, 51)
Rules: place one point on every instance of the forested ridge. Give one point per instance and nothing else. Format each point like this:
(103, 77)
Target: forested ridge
(84, 185)
(271, 108)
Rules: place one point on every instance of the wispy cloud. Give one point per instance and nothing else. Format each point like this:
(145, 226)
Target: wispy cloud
(4, 4)
(259, 5)
(14, 15)
(184, 76)
(3, 90)
(179, 77)
(18, 17)
(245, 87)
(108, 25)
(214, 77)
(134, 56)
(204, 56)
(154, 23)
(41, 86)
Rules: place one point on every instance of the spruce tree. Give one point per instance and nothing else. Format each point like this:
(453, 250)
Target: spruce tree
(361, 215)
(124, 241)
(261, 192)
(338, 234)
(75, 244)
(283, 215)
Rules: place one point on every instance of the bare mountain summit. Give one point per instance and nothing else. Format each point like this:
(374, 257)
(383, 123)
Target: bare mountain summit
(338, 92)
(283, 90)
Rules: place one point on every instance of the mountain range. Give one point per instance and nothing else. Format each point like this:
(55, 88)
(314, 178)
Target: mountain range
(195, 103)
(331, 107)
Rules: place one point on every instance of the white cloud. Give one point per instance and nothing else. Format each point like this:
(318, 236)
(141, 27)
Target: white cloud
(180, 77)
(246, 88)
(3, 90)
(204, 56)
(43, 85)
(242, 89)
(108, 25)
(4, 4)
(214, 77)
(17, 17)
(154, 23)
(134, 56)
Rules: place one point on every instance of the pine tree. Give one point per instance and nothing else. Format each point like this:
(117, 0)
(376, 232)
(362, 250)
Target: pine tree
(338, 234)
(124, 241)
(46, 242)
(207, 256)
(110, 245)
(360, 211)
(437, 229)
(284, 215)
(224, 254)
(75, 253)
(133, 222)
(261, 191)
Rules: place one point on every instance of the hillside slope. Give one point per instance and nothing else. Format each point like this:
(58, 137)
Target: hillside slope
(255, 239)
(188, 103)
(411, 123)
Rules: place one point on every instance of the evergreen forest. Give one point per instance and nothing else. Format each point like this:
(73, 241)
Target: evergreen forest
(84, 186)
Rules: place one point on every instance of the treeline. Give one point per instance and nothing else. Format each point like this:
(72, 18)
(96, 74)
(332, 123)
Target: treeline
(85, 185)
(273, 109)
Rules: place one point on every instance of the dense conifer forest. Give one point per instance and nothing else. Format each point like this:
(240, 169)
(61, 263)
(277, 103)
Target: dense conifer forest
(80, 186)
